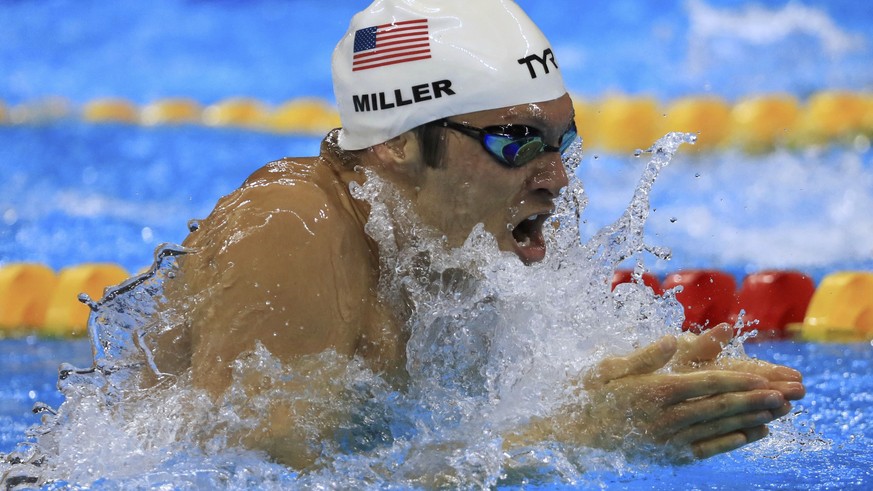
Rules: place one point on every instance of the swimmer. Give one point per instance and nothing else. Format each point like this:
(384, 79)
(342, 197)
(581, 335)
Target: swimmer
(462, 107)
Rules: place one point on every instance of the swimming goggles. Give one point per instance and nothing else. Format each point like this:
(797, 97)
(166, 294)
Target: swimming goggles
(513, 145)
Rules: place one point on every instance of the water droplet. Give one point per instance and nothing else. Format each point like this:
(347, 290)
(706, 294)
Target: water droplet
(41, 407)
(10, 216)
(697, 174)
(193, 225)
(86, 299)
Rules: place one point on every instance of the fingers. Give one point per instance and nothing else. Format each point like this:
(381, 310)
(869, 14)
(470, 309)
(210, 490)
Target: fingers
(705, 346)
(784, 379)
(765, 369)
(641, 361)
(725, 443)
(756, 433)
(717, 415)
(782, 411)
(720, 415)
(721, 427)
(704, 383)
(792, 391)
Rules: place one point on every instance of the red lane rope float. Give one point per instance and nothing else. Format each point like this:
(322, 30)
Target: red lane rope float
(708, 297)
(627, 276)
(779, 304)
(774, 300)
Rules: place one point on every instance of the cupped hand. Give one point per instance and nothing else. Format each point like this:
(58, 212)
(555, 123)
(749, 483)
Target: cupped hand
(696, 352)
(700, 412)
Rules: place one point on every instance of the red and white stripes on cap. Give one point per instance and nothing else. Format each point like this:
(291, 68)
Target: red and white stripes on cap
(391, 44)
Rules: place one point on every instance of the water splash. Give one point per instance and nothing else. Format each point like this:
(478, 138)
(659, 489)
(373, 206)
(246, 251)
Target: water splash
(492, 344)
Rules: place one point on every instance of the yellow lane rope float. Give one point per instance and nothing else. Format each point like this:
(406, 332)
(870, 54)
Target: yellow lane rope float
(33, 298)
(841, 309)
(615, 123)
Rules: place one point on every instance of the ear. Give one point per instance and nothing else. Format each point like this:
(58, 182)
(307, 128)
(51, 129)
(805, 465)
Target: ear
(401, 155)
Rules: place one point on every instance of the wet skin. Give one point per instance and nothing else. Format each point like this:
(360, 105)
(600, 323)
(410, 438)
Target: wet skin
(284, 261)
(470, 187)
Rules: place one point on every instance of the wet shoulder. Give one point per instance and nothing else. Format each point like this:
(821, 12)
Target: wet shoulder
(300, 207)
(292, 181)
(307, 189)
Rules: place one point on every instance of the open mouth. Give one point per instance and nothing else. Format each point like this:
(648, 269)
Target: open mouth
(530, 245)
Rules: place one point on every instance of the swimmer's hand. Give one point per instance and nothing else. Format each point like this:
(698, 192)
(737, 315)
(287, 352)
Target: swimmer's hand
(702, 351)
(628, 405)
(700, 412)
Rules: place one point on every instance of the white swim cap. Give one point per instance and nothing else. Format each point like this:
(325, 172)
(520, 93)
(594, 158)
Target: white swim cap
(404, 63)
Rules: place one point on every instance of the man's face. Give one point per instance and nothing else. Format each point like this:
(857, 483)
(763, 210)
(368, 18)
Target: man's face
(471, 187)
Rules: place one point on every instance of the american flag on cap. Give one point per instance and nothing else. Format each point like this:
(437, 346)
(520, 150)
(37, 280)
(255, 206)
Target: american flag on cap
(391, 44)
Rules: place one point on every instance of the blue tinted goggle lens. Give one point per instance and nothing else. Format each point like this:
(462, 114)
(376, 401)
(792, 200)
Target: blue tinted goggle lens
(513, 145)
(513, 151)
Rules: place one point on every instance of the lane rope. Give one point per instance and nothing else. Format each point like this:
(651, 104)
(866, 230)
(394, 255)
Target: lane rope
(614, 123)
(34, 299)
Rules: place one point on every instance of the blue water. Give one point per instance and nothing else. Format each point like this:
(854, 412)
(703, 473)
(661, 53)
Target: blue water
(838, 408)
(276, 49)
(74, 193)
(71, 193)
(30, 374)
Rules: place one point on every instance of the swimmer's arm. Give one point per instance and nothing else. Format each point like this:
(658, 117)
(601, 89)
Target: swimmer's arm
(279, 268)
(630, 407)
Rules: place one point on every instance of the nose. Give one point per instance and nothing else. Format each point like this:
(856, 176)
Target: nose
(550, 175)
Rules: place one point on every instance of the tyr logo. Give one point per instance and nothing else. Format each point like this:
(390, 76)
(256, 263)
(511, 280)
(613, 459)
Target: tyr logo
(547, 56)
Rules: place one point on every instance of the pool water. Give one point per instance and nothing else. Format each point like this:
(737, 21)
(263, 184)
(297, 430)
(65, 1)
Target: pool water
(112, 193)
(74, 192)
(838, 408)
